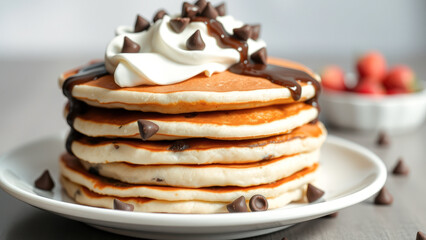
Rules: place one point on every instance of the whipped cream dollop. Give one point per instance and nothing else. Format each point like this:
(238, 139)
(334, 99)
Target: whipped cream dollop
(163, 57)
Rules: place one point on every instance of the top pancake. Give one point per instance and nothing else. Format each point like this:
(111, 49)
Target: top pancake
(221, 91)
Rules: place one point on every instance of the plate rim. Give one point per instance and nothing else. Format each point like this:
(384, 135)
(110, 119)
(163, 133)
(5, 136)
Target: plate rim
(310, 211)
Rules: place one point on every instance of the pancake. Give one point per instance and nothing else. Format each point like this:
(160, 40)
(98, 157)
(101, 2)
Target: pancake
(84, 196)
(224, 125)
(221, 91)
(200, 151)
(208, 175)
(72, 169)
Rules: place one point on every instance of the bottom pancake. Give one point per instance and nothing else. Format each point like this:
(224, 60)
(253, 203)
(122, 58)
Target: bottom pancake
(72, 169)
(84, 196)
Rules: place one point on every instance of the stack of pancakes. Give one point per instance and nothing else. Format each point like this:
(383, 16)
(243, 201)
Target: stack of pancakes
(191, 147)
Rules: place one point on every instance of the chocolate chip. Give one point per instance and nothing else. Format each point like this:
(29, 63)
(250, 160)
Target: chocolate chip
(260, 56)
(141, 24)
(383, 198)
(209, 11)
(45, 181)
(147, 129)
(116, 146)
(94, 170)
(179, 24)
(258, 203)
(401, 168)
(119, 205)
(238, 205)
(178, 146)
(191, 115)
(420, 236)
(313, 193)
(333, 215)
(159, 15)
(189, 10)
(158, 179)
(242, 33)
(221, 9)
(201, 4)
(255, 31)
(129, 46)
(383, 139)
(195, 42)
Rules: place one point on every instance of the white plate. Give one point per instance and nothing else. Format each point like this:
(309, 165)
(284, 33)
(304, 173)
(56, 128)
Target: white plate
(349, 174)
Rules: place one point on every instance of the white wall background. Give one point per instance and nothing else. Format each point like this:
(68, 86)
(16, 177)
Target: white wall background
(48, 28)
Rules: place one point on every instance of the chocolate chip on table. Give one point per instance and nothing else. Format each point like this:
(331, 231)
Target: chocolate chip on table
(201, 4)
(129, 46)
(159, 15)
(189, 10)
(313, 193)
(209, 11)
(238, 205)
(45, 181)
(383, 197)
(255, 31)
(258, 203)
(243, 33)
(221, 9)
(119, 205)
(195, 42)
(260, 56)
(141, 24)
(178, 146)
(383, 139)
(420, 236)
(179, 24)
(333, 215)
(147, 129)
(401, 168)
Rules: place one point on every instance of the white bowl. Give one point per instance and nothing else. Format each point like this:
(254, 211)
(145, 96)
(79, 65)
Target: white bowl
(398, 112)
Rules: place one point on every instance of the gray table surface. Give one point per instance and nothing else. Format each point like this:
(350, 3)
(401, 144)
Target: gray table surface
(31, 107)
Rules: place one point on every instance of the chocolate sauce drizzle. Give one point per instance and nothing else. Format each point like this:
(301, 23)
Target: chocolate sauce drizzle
(77, 107)
(283, 76)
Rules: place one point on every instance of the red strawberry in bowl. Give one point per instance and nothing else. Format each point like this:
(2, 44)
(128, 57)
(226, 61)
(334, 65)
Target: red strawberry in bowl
(400, 77)
(373, 66)
(333, 78)
(370, 86)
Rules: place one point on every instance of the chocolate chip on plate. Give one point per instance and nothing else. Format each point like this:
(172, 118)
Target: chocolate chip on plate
(209, 11)
(159, 15)
(420, 236)
(45, 181)
(383, 197)
(147, 129)
(195, 42)
(179, 24)
(255, 31)
(201, 4)
(238, 205)
(259, 56)
(221, 9)
(383, 139)
(129, 46)
(178, 146)
(243, 33)
(120, 205)
(141, 24)
(258, 203)
(313, 193)
(401, 168)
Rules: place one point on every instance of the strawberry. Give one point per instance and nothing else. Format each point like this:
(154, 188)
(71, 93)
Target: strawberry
(333, 78)
(394, 91)
(400, 77)
(370, 86)
(372, 66)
